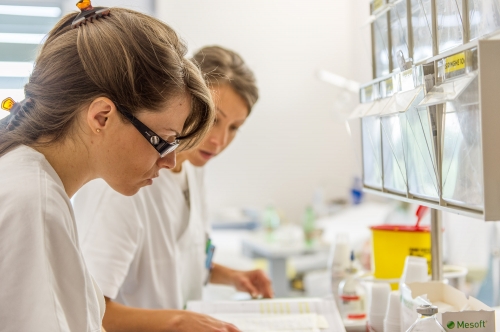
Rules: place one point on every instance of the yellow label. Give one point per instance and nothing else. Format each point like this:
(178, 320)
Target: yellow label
(7, 103)
(377, 4)
(388, 86)
(454, 63)
(368, 91)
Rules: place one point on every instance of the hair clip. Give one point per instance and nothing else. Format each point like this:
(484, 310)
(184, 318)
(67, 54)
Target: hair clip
(88, 13)
(8, 103)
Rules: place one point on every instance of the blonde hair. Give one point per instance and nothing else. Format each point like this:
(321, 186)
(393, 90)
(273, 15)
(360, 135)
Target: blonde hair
(131, 58)
(222, 66)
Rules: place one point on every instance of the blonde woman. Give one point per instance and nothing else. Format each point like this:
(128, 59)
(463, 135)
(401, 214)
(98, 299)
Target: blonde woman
(150, 251)
(111, 99)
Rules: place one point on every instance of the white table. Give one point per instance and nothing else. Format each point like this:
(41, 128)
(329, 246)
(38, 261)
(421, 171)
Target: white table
(277, 252)
(279, 307)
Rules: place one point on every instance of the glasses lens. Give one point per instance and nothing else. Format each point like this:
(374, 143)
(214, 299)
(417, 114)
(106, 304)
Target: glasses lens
(169, 147)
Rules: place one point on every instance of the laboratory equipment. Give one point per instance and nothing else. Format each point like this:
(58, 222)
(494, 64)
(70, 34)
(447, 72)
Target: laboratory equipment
(426, 321)
(415, 270)
(381, 42)
(271, 219)
(393, 243)
(308, 225)
(484, 17)
(399, 31)
(450, 24)
(379, 299)
(351, 295)
(338, 262)
(433, 141)
(392, 316)
(421, 28)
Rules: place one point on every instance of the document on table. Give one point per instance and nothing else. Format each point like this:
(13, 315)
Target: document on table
(275, 322)
(276, 315)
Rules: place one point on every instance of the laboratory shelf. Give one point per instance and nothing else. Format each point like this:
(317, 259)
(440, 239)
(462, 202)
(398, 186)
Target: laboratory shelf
(430, 134)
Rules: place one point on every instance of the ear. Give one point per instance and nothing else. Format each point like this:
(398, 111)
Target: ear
(98, 113)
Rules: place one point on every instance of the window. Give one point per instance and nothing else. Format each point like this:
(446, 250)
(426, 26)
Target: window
(23, 25)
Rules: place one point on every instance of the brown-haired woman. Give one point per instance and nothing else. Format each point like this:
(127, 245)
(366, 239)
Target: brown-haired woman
(149, 251)
(107, 99)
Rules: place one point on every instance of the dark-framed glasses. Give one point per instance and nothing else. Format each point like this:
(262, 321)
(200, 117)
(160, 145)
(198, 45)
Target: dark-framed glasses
(163, 147)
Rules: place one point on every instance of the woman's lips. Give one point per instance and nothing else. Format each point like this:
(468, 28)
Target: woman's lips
(206, 155)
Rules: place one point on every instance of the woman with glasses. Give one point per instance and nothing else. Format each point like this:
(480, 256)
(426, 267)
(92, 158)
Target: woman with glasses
(111, 96)
(149, 253)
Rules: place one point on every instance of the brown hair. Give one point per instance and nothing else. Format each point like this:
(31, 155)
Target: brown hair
(131, 58)
(222, 66)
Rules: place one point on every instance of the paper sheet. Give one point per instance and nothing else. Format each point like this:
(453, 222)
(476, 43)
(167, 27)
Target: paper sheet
(274, 322)
(276, 313)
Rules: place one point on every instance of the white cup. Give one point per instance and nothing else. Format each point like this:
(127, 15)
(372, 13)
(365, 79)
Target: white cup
(392, 315)
(415, 270)
(379, 296)
(379, 299)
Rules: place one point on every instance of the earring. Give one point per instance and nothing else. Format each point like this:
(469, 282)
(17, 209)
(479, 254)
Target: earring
(98, 130)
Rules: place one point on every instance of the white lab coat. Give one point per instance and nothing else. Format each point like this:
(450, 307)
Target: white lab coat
(142, 250)
(44, 282)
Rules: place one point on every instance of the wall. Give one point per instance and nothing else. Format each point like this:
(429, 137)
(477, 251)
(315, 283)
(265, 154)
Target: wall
(293, 142)
(296, 139)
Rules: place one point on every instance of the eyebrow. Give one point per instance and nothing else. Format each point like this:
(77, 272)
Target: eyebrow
(218, 109)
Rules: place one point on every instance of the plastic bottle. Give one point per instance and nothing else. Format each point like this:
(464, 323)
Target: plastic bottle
(356, 191)
(351, 295)
(309, 226)
(271, 218)
(426, 321)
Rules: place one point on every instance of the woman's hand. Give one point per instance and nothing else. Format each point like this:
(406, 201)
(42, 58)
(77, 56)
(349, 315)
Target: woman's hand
(254, 282)
(120, 318)
(188, 321)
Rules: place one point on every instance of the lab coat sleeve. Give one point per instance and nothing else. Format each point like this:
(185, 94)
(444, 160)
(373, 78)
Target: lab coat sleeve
(43, 283)
(110, 233)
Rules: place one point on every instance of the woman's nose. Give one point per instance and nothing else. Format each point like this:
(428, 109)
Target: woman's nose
(219, 138)
(168, 161)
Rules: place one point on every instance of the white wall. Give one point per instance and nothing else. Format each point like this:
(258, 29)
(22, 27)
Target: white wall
(292, 141)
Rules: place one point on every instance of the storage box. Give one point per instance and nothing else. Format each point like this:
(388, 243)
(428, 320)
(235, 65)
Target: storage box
(454, 306)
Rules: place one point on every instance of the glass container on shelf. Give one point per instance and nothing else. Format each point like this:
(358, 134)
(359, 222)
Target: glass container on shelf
(484, 17)
(449, 23)
(393, 118)
(457, 92)
(419, 132)
(381, 45)
(394, 165)
(399, 31)
(421, 20)
(371, 136)
(372, 151)
(462, 170)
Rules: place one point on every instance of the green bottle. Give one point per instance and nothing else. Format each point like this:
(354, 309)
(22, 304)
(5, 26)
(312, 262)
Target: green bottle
(308, 225)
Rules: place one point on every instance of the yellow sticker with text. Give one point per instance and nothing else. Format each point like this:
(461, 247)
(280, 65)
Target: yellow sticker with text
(7, 103)
(377, 4)
(368, 92)
(388, 85)
(454, 63)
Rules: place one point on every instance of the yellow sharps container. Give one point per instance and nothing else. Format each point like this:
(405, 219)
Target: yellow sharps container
(392, 243)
